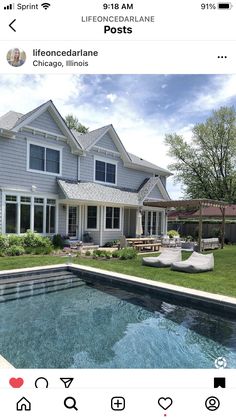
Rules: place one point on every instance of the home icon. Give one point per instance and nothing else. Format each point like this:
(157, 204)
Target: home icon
(23, 404)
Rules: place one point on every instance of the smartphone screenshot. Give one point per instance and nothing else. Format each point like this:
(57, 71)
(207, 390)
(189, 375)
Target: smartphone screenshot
(117, 209)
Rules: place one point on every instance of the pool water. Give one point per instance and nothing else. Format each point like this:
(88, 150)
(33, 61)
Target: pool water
(104, 327)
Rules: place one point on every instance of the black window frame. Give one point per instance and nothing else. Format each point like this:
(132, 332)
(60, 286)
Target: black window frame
(45, 160)
(108, 172)
(91, 217)
(111, 218)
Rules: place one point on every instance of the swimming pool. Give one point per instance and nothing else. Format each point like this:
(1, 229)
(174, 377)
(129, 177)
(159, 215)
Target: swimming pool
(100, 326)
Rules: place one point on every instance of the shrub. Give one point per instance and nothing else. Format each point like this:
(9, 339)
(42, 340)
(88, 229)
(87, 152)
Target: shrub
(216, 232)
(15, 240)
(108, 244)
(87, 253)
(115, 254)
(108, 256)
(43, 250)
(111, 243)
(172, 233)
(98, 252)
(15, 250)
(58, 241)
(4, 242)
(127, 253)
(38, 250)
(35, 240)
(103, 254)
(189, 238)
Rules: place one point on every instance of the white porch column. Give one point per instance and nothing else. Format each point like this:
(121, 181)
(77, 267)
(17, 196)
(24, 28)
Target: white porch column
(32, 214)
(67, 218)
(18, 215)
(80, 223)
(57, 217)
(101, 224)
(166, 222)
(82, 220)
(151, 227)
(137, 212)
(122, 220)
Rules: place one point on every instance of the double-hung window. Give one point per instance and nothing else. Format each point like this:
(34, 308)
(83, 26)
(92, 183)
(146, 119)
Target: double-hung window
(112, 218)
(105, 172)
(44, 159)
(92, 218)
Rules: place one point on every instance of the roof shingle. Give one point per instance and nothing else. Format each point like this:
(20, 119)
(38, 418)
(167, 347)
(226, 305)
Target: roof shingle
(94, 192)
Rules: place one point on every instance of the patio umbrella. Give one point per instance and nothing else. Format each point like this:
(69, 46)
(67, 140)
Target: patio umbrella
(139, 227)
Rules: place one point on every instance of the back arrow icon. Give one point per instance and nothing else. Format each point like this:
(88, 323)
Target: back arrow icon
(10, 25)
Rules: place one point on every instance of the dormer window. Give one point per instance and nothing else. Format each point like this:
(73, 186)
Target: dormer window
(105, 172)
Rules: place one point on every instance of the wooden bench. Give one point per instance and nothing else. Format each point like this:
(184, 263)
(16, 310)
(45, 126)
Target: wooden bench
(154, 247)
(212, 243)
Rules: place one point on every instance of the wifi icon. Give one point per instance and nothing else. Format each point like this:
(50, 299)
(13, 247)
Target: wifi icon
(45, 5)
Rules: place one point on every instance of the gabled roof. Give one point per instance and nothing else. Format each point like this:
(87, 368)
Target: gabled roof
(91, 138)
(96, 192)
(88, 139)
(28, 114)
(141, 162)
(9, 120)
(14, 121)
(148, 186)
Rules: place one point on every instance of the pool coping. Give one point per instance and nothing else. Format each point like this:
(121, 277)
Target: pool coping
(162, 286)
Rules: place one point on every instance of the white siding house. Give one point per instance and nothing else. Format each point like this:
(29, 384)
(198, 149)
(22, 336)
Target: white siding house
(54, 180)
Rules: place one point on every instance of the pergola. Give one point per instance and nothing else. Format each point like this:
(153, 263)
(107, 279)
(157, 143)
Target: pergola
(195, 203)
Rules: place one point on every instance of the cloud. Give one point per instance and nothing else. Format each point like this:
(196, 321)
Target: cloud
(23, 93)
(220, 91)
(111, 97)
(142, 108)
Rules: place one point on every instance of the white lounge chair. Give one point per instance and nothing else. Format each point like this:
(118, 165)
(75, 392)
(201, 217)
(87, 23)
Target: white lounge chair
(165, 259)
(195, 263)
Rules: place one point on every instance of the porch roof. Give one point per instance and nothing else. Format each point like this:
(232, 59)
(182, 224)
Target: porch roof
(95, 192)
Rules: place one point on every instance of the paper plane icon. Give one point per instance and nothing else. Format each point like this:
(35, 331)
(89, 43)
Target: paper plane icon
(67, 381)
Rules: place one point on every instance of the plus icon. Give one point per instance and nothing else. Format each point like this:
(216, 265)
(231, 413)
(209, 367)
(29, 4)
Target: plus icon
(117, 403)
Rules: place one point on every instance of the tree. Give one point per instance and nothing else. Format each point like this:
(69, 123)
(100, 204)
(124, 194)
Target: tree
(73, 123)
(207, 165)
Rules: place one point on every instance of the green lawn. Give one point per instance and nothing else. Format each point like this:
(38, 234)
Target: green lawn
(29, 261)
(221, 281)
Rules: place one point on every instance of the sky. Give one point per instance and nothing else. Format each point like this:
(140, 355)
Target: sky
(142, 108)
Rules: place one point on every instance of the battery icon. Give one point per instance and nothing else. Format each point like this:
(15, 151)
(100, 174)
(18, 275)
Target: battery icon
(225, 6)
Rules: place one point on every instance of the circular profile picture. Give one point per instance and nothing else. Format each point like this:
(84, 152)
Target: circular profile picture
(16, 57)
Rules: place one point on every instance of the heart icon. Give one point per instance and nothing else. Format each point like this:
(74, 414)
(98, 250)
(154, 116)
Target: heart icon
(165, 402)
(16, 382)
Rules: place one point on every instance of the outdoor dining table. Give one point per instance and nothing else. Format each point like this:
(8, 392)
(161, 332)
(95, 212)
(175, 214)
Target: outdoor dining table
(144, 243)
(141, 240)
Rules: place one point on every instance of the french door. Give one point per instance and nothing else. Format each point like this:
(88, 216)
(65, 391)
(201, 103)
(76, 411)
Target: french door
(150, 223)
(73, 222)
